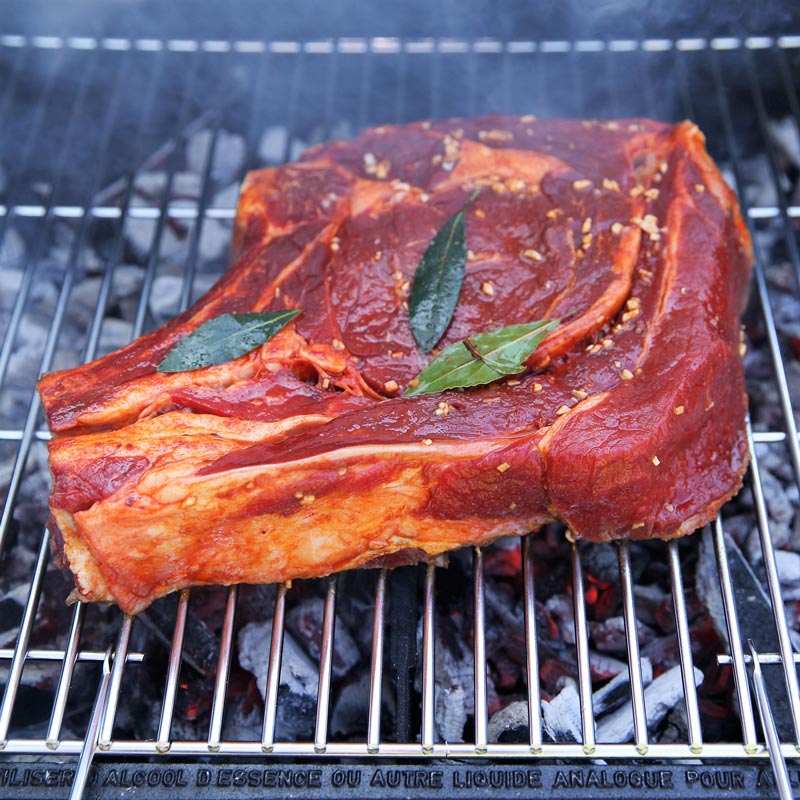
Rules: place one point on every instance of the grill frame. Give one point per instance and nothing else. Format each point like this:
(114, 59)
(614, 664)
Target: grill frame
(100, 207)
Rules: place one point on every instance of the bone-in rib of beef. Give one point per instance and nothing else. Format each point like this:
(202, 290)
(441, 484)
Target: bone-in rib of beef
(302, 457)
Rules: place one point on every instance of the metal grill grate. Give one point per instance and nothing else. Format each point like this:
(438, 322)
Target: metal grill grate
(319, 90)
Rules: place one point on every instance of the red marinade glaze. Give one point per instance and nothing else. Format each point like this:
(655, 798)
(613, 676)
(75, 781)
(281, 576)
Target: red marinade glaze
(302, 457)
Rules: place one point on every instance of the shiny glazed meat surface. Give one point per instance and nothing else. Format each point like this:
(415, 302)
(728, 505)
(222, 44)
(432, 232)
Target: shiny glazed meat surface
(302, 458)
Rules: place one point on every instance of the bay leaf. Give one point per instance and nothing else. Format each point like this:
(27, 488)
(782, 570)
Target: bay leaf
(482, 358)
(437, 281)
(224, 338)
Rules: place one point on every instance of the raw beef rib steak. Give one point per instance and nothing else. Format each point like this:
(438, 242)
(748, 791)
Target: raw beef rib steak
(302, 457)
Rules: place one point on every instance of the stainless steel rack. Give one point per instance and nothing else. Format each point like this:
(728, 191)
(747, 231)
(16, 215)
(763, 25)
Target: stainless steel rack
(365, 81)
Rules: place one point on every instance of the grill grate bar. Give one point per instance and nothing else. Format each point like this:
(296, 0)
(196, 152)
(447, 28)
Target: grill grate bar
(479, 642)
(155, 245)
(360, 45)
(65, 678)
(33, 409)
(332, 63)
(257, 103)
(363, 91)
(400, 103)
(685, 649)
(18, 70)
(279, 612)
(201, 216)
(274, 671)
(648, 83)
(769, 149)
(89, 656)
(582, 645)
(789, 90)
(117, 669)
(23, 637)
(90, 739)
(145, 748)
(291, 111)
(223, 671)
(55, 326)
(176, 649)
(118, 247)
(376, 666)
(773, 582)
(325, 667)
(610, 68)
(428, 634)
(173, 673)
(93, 338)
(764, 658)
(155, 158)
(532, 649)
(20, 302)
(71, 655)
(776, 758)
(32, 143)
(735, 641)
(42, 435)
(435, 78)
(101, 307)
(790, 671)
(634, 660)
(760, 279)
(794, 256)
(70, 658)
(190, 212)
(17, 663)
(777, 361)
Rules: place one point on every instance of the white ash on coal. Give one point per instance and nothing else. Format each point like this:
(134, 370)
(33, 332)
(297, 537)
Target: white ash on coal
(561, 716)
(660, 697)
(351, 708)
(789, 573)
(12, 605)
(510, 723)
(617, 691)
(603, 666)
(302, 644)
(786, 141)
(454, 677)
(273, 145)
(561, 609)
(609, 635)
(454, 680)
(305, 622)
(227, 161)
(653, 609)
(611, 704)
(299, 680)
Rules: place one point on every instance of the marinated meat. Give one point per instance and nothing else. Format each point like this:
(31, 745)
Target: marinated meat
(302, 457)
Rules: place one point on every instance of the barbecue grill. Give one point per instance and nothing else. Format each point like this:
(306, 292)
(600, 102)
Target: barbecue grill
(119, 159)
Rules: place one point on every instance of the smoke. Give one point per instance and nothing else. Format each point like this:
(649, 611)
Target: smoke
(320, 96)
(309, 19)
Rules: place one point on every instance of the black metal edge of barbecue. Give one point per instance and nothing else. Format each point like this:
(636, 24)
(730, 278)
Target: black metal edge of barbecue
(324, 779)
